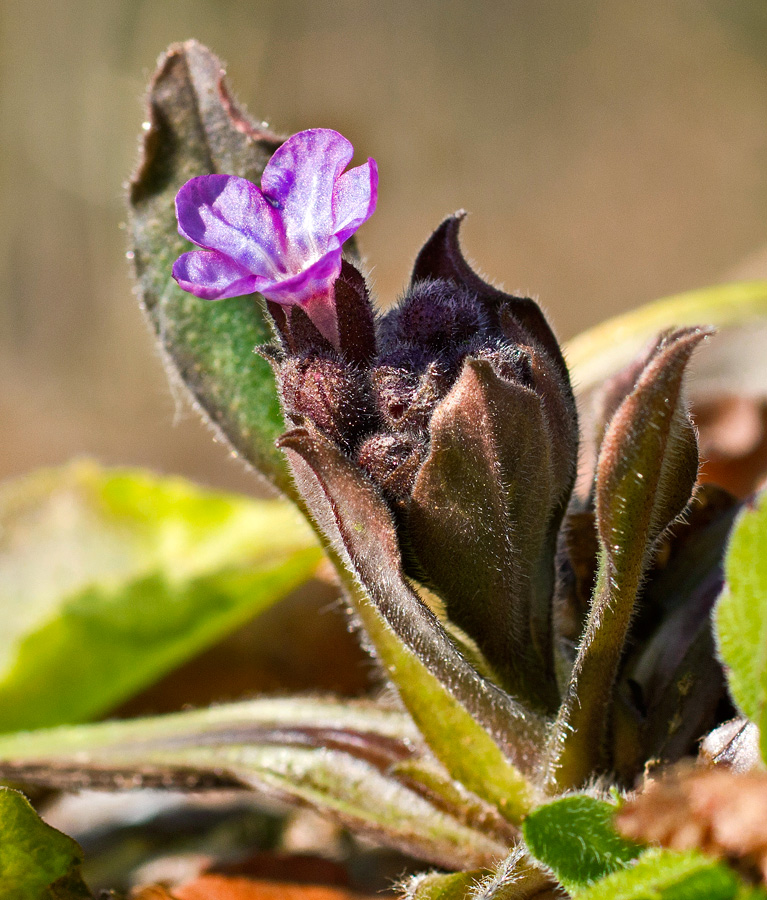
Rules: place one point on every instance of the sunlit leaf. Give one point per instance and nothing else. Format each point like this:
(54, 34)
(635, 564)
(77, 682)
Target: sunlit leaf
(108, 579)
(738, 311)
(666, 875)
(516, 877)
(576, 839)
(439, 886)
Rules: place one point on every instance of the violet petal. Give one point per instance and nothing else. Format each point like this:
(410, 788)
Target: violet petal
(230, 215)
(213, 276)
(299, 179)
(315, 279)
(354, 199)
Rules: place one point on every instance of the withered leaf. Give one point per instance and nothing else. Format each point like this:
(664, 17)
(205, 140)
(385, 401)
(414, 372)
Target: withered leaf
(221, 887)
(714, 810)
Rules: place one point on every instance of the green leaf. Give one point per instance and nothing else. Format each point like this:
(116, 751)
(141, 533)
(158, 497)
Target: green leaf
(36, 861)
(339, 758)
(436, 886)
(576, 839)
(738, 312)
(108, 579)
(741, 615)
(434, 782)
(195, 129)
(667, 875)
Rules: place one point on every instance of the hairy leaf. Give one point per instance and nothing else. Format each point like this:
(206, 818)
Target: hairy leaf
(517, 877)
(666, 875)
(425, 775)
(646, 472)
(741, 615)
(36, 861)
(110, 578)
(576, 839)
(476, 730)
(195, 129)
(337, 758)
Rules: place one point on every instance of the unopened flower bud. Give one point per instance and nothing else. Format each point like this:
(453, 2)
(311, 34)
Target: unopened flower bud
(330, 394)
(457, 406)
(406, 400)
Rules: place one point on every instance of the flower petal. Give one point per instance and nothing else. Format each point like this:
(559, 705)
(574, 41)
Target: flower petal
(299, 179)
(230, 215)
(213, 276)
(315, 279)
(354, 199)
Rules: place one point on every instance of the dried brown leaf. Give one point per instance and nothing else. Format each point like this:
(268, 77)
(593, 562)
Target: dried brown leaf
(219, 887)
(717, 811)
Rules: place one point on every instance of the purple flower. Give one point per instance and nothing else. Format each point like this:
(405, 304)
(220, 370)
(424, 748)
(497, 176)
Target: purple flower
(282, 240)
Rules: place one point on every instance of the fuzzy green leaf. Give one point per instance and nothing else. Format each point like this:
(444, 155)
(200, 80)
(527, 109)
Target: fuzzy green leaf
(436, 886)
(36, 861)
(339, 758)
(576, 839)
(108, 579)
(195, 129)
(667, 875)
(741, 615)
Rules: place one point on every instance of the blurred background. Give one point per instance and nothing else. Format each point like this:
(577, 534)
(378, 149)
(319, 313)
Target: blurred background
(609, 153)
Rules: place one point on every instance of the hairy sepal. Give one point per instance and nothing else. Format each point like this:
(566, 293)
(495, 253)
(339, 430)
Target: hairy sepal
(483, 517)
(480, 734)
(646, 473)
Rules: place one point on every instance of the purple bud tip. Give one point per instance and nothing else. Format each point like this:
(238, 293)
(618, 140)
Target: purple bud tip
(282, 240)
